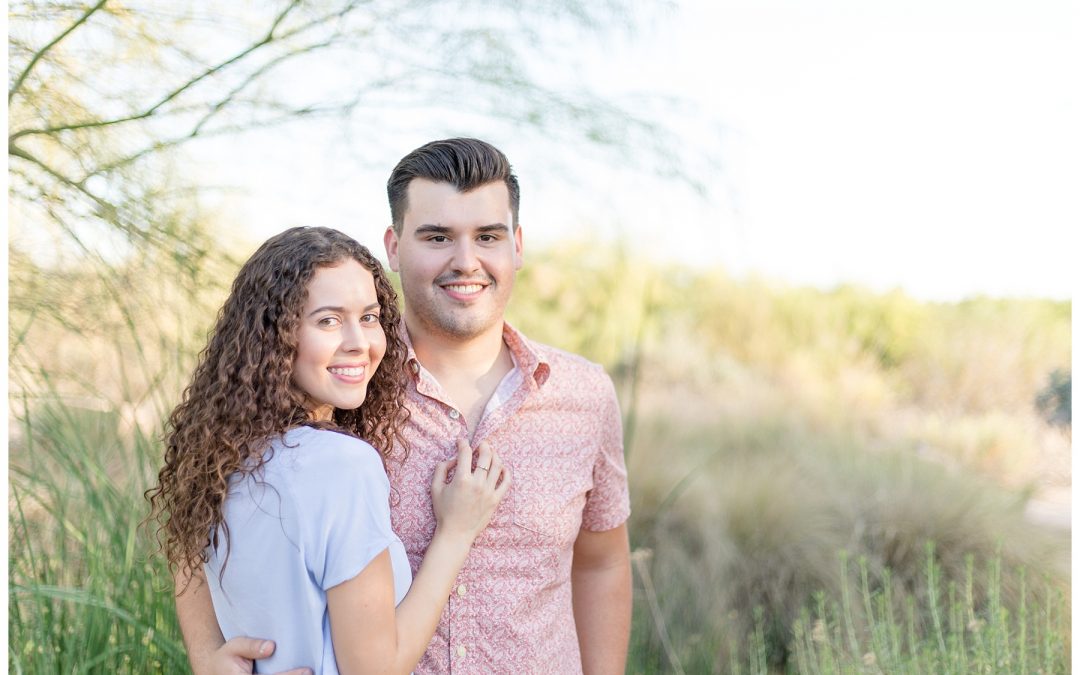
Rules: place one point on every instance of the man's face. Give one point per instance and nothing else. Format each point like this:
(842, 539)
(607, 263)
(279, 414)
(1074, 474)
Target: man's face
(457, 255)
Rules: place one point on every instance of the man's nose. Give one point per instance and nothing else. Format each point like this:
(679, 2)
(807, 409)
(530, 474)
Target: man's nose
(465, 258)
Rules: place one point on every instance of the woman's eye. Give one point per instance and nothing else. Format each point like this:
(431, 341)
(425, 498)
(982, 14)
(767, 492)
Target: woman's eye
(329, 321)
(369, 318)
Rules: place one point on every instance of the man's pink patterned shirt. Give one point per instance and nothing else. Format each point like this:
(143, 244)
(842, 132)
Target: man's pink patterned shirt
(560, 434)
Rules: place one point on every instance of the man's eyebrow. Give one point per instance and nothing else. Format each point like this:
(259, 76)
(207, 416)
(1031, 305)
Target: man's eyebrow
(341, 310)
(431, 229)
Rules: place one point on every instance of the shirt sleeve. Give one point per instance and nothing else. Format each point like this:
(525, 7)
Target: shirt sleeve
(607, 504)
(343, 497)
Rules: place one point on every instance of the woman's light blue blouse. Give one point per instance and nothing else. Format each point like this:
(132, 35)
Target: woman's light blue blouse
(314, 515)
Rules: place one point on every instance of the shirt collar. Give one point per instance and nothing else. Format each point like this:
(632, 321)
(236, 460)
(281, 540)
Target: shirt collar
(526, 356)
(521, 348)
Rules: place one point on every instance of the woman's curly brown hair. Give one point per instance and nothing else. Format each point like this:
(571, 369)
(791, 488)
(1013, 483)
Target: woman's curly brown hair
(242, 396)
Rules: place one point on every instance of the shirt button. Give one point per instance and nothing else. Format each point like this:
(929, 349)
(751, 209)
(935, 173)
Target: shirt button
(454, 414)
(461, 650)
(461, 590)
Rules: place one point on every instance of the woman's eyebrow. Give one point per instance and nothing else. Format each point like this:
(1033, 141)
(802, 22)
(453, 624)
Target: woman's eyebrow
(329, 308)
(326, 308)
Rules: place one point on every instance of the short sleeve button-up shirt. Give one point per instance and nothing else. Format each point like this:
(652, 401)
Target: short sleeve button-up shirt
(559, 432)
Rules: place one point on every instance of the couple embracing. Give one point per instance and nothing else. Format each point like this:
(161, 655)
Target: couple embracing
(352, 488)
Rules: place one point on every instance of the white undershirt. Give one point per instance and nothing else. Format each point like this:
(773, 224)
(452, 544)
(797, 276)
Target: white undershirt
(509, 384)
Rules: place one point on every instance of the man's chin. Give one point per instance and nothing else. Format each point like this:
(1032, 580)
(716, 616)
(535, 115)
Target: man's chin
(462, 328)
(455, 322)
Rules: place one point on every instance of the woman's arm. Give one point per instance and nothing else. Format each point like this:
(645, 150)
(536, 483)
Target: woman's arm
(371, 635)
(208, 652)
(198, 625)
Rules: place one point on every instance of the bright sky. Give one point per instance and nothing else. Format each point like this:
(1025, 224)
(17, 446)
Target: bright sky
(930, 145)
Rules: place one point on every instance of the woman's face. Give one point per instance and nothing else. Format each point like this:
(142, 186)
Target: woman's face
(340, 340)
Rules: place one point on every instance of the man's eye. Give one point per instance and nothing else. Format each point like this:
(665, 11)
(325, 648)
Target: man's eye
(487, 238)
(439, 239)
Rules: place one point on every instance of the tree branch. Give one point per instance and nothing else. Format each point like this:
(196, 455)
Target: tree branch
(259, 72)
(152, 110)
(104, 205)
(16, 151)
(44, 50)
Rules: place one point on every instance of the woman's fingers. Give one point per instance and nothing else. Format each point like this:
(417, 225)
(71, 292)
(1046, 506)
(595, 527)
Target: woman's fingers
(483, 459)
(490, 472)
(503, 483)
(494, 471)
(438, 481)
(464, 457)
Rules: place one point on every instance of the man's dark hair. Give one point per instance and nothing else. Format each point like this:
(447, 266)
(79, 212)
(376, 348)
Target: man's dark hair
(465, 163)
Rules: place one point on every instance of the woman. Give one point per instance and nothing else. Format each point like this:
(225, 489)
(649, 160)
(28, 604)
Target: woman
(268, 487)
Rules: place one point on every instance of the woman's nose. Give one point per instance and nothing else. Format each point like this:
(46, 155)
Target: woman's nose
(354, 338)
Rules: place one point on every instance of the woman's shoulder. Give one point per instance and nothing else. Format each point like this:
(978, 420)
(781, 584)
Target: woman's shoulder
(326, 441)
(324, 455)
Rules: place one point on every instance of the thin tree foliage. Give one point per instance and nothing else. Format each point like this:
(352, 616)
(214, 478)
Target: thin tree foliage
(101, 92)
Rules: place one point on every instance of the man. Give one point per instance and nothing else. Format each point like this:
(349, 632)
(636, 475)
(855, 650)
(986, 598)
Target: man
(546, 588)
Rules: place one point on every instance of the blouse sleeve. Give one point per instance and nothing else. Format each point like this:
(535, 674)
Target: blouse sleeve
(343, 502)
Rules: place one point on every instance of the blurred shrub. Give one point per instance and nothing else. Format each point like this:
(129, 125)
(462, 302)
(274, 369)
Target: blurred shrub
(121, 333)
(754, 517)
(984, 355)
(1054, 400)
(955, 379)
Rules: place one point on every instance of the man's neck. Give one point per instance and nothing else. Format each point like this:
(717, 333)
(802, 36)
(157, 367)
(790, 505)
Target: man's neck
(469, 371)
(447, 355)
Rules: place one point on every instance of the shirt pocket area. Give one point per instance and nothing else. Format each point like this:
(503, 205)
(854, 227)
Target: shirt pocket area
(546, 515)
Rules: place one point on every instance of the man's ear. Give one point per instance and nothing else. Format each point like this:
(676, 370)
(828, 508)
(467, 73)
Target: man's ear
(390, 241)
(519, 250)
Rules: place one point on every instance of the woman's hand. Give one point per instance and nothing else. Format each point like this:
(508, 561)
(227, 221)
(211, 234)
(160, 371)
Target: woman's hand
(464, 506)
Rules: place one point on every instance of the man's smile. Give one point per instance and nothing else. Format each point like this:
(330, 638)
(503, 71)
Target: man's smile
(464, 289)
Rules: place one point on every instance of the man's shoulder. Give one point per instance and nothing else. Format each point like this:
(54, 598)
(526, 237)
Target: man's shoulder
(572, 375)
(568, 362)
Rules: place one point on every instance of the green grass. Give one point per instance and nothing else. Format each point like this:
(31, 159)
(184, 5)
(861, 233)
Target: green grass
(876, 628)
(85, 593)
